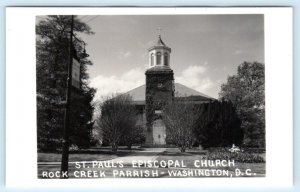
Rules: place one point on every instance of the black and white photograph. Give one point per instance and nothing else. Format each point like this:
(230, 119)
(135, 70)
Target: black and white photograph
(127, 97)
(150, 96)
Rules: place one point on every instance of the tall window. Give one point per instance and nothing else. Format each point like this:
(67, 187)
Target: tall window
(158, 58)
(152, 59)
(166, 59)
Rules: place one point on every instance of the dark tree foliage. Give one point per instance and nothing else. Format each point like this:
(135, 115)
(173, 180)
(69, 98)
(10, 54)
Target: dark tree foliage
(246, 91)
(218, 125)
(133, 135)
(52, 57)
(117, 120)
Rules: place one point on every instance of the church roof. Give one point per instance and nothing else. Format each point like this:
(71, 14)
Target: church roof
(138, 94)
(184, 91)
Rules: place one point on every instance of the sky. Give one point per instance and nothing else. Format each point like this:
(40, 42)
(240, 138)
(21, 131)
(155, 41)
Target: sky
(206, 49)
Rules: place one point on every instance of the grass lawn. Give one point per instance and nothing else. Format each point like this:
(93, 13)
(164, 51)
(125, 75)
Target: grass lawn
(93, 154)
(56, 157)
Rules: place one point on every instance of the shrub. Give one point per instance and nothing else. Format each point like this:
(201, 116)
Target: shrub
(242, 157)
(73, 147)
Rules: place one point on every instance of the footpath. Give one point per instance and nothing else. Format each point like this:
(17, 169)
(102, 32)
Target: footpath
(138, 155)
(155, 152)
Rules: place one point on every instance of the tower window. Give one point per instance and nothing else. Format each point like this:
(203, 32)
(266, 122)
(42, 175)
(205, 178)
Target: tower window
(158, 58)
(166, 57)
(152, 59)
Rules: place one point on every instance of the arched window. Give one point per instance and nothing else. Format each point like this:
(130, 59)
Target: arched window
(152, 59)
(166, 59)
(158, 58)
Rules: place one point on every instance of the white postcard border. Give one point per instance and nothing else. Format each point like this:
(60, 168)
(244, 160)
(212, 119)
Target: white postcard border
(21, 157)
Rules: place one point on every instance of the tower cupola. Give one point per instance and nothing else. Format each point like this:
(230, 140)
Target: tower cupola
(159, 54)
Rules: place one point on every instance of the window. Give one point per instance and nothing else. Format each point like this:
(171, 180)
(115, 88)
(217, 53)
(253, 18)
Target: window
(158, 58)
(166, 57)
(152, 59)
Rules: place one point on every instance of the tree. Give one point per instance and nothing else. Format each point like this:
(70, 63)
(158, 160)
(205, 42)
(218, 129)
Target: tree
(246, 91)
(218, 125)
(180, 118)
(52, 50)
(118, 117)
(133, 135)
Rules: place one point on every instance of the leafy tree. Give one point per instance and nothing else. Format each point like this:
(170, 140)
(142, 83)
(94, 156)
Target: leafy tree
(218, 125)
(117, 119)
(180, 118)
(246, 91)
(52, 51)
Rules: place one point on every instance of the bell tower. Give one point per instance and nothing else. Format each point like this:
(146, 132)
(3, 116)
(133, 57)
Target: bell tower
(159, 55)
(159, 91)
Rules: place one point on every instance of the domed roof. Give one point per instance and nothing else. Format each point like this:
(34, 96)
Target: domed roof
(160, 44)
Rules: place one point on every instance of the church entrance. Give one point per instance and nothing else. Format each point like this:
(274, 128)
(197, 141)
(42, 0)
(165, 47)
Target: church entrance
(159, 132)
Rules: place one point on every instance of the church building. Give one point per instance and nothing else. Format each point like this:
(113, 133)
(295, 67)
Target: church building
(160, 89)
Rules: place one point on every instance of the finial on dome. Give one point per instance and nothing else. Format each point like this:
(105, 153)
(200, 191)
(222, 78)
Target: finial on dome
(159, 41)
(159, 31)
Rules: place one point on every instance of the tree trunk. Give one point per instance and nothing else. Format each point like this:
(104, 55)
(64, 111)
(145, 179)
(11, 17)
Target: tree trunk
(114, 147)
(182, 149)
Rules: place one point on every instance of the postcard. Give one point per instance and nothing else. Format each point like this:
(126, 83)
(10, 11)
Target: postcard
(197, 96)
